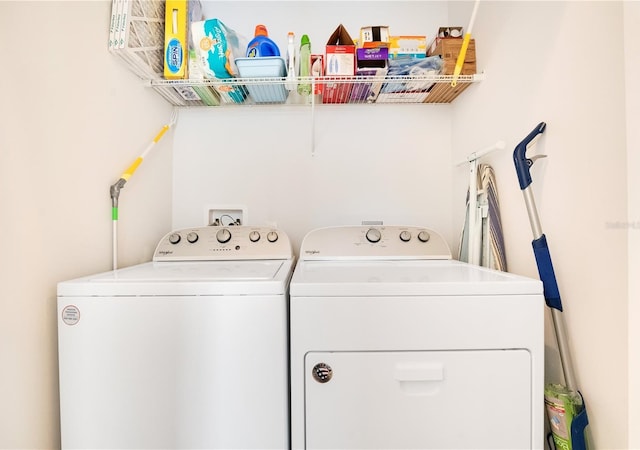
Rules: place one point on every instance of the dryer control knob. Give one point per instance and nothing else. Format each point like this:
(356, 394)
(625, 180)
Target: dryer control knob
(174, 238)
(373, 235)
(272, 236)
(424, 236)
(405, 236)
(254, 236)
(192, 237)
(223, 236)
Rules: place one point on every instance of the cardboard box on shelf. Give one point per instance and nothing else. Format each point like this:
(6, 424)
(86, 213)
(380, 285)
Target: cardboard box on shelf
(449, 49)
(449, 32)
(365, 91)
(340, 61)
(372, 57)
(415, 46)
(341, 53)
(444, 33)
(175, 40)
(374, 36)
(372, 63)
(336, 89)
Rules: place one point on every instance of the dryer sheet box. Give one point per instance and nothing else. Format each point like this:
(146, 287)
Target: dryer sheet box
(175, 42)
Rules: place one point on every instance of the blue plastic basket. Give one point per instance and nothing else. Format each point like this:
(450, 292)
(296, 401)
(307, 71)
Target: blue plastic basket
(264, 67)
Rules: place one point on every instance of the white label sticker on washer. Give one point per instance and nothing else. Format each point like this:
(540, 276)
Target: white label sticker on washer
(71, 315)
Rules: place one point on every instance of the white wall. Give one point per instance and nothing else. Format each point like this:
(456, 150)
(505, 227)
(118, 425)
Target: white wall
(543, 61)
(563, 63)
(367, 169)
(72, 118)
(632, 49)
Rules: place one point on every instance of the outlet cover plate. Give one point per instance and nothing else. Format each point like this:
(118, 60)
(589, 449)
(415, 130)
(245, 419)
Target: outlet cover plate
(226, 215)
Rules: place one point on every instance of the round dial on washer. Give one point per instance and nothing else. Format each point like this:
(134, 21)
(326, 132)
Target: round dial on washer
(272, 236)
(373, 235)
(254, 236)
(174, 238)
(405, 236)
(192, 237)
(424, 236)
(223, 236)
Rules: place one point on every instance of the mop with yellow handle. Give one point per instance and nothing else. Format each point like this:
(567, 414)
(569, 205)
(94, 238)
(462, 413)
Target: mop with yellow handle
(128, 173)
(465, 43)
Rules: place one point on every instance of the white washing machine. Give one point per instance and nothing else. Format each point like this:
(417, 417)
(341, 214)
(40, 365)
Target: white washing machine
(394, 345)
(187, 351)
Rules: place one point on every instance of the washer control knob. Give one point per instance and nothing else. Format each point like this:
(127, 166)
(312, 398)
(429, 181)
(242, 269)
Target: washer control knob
(272, 236)
(192, 237)
(254, 236)
(373, 235)
(223, 236)
(423, 236)
(174, 238)
(405, 236)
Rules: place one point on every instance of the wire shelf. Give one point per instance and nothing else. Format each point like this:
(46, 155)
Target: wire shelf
(310, 90)
(137, 38)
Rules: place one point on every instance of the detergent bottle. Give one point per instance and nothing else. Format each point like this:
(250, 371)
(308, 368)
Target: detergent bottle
(304, 88)
(261, 45)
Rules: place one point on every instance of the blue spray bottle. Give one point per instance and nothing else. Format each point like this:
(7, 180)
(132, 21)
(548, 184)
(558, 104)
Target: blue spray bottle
(261, 45)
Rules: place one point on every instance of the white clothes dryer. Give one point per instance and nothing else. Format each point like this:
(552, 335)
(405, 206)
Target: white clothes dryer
(187, 351)
(394, 345)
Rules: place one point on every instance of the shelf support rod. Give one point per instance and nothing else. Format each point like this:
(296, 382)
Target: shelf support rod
(313, 117)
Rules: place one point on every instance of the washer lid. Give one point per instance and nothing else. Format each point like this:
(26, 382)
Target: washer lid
(404, 278)
(262, 277)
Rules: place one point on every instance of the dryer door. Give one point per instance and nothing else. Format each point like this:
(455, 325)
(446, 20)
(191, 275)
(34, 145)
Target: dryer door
(428, 400)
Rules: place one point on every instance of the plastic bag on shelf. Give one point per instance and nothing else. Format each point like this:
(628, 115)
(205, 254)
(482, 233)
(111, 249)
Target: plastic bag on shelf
(216, 45)
(413, 69)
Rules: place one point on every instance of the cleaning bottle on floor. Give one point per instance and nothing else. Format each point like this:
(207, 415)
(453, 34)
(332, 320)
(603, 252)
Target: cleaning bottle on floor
(261, 45)
(562, 405)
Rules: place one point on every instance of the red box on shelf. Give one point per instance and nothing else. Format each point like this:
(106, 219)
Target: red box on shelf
(340, 64)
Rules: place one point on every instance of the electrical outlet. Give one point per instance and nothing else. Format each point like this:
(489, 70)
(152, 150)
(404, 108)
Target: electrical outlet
(226, 215)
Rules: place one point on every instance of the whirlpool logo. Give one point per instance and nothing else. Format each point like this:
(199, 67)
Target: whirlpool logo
(165, 252)
(312, 252)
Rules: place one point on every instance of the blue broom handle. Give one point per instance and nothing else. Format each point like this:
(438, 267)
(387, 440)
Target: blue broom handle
(542, 254)
(523, 164)
(540, 246)
(547, 274)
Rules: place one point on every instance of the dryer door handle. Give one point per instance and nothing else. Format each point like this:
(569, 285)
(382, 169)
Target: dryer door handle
(419, 371)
